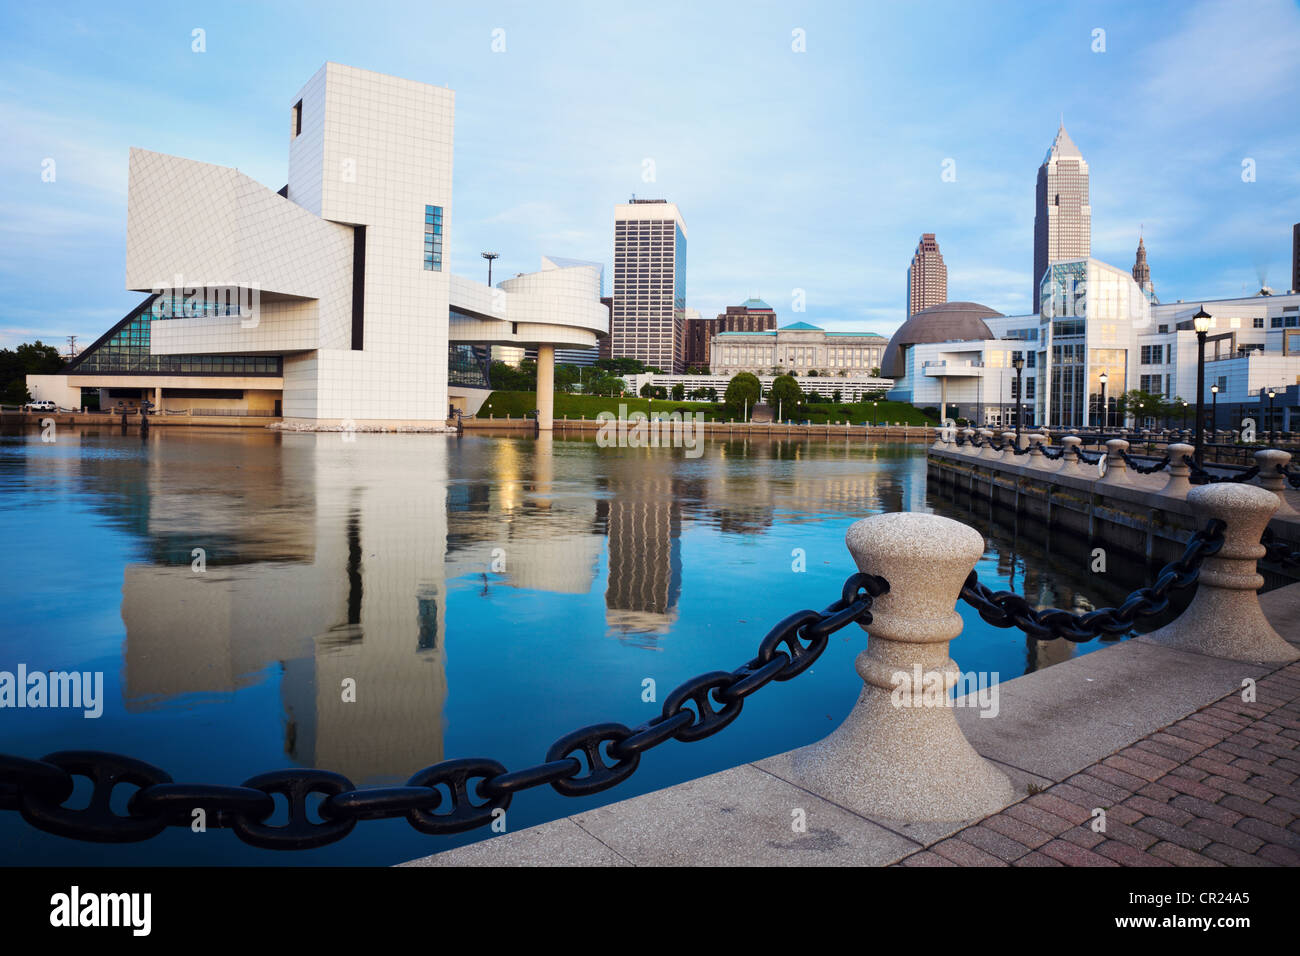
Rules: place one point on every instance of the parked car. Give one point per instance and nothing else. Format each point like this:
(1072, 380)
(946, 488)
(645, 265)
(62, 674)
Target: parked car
(43, 406)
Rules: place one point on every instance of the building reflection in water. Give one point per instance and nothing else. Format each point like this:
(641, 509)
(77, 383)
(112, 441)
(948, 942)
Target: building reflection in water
(360, 601)
(328, 560)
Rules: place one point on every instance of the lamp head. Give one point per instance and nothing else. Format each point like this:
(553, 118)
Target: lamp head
(1201, 321)
(1018, 364)
(1104, 378)
(1214, 389)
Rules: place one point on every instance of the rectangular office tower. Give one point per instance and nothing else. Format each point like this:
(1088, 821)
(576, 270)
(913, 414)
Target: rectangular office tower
(1062, 213)
(648, 319)
(927, 276)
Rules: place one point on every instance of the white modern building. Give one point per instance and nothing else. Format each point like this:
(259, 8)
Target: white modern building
(329, 302)
(1096, 321)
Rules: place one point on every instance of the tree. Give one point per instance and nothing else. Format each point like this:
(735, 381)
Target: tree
(566, 377)
(621, 366)
(742, 391)
(711, 394)
(679, 392)
(784, 395)
(34, 358)
(837, 396)
(648, 390)
(1141, 404)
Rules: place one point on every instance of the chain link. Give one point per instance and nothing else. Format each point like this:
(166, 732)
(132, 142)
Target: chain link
(583, 762)
(1202, 477)
(1008, 609)
(1142, 469)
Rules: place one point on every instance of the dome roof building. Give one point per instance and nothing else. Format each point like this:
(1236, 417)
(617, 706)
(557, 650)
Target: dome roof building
(947, 322)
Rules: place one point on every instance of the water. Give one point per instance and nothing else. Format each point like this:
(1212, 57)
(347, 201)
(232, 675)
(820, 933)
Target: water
(483, 595)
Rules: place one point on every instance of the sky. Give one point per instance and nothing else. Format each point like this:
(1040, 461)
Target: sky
(805, 143)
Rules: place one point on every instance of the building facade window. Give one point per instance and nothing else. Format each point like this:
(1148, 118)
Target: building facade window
(433, 238)
(1153, 354)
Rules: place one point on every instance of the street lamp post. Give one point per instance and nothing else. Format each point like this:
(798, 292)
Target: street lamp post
(1184, 416)
(1019, 364)
(489, 256)
(875, 413)
(1214, 408)
(1105, 412)
(1201, 323)
(1272, 394)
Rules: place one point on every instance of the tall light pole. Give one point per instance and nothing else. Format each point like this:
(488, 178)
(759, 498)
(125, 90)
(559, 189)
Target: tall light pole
(1019, 364)
(1272, 394)
(489, 256)
(1201, 323)
(1214, 408)
(1105, 410)
(875, 413)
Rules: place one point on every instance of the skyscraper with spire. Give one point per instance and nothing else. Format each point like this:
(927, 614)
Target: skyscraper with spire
(1062, 214)
(1142, 271)
(927, 276)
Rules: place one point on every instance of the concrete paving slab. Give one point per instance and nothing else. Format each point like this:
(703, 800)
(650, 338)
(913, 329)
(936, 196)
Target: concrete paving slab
(1057, 721)
(740, 817)
(1282, 608)
(558, 843)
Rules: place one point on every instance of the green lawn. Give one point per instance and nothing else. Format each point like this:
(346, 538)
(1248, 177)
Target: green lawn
(519, 404)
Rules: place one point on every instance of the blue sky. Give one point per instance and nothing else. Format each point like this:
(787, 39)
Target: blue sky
(813, 170)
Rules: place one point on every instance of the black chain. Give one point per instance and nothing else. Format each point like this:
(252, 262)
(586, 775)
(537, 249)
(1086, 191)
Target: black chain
(1292, 477)
(1202, 477)
(1079, 453)
(1141, 469)
(1008, 609)
(1278, 552)
(586, 761)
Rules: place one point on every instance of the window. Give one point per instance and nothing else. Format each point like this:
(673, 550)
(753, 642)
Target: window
(1153, 354)
(1029, 385)
(1162, 329)
(433, 238)
(297, 119)
(1258, 322)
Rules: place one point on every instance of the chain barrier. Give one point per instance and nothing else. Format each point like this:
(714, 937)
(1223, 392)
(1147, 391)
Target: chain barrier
(583, 762)
(1083, 457)
(1200, 476)
(1008, 609)
(1141, 469)
(1278, 552)
(1292, 477)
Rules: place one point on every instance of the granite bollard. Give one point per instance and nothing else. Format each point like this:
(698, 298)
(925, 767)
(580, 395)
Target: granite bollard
(1116, 467)
(1224, 618)
(900, 753)
(1269, 460)
(1178, 486)
(1070, 462)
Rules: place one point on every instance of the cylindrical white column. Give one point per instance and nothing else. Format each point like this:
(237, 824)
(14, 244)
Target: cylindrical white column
(545, 387)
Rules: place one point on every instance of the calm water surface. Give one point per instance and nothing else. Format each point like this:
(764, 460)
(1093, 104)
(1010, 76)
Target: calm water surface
(486, 595)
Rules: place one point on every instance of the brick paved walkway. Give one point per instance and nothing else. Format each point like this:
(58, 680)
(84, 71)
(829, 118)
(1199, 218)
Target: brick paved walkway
(1218, 787)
